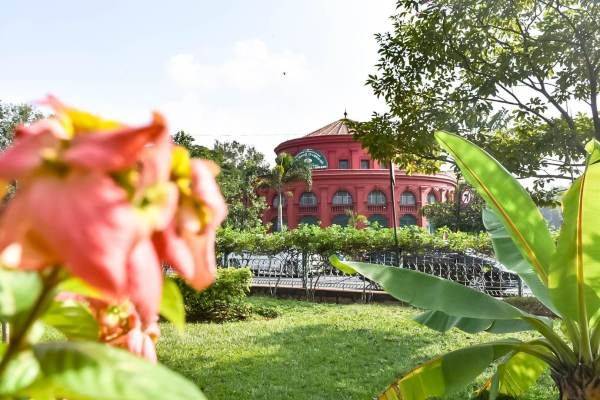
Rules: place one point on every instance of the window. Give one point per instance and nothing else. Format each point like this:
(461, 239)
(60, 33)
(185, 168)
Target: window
(376, 198)
(309, 220)
(408, 220)
(275, 201)
(431, 199)
(342, 198)
(408, 199)
(364, 164)
(308, 199)
(343, 164)
(341, 220)
(378, 219)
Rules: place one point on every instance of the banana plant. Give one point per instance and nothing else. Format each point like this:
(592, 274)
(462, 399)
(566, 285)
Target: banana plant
(564, 275)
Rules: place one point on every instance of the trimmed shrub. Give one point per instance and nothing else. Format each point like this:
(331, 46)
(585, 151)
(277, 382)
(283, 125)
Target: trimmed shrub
(224, 301)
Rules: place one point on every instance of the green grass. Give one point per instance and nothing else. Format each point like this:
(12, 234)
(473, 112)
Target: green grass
(312, 351)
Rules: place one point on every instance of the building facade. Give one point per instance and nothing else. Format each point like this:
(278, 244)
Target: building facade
(347, 181)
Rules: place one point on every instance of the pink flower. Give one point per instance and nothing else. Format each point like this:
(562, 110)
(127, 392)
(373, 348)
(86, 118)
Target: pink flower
(70, 210)
(109, 202)
(120, 325)
(188, 243)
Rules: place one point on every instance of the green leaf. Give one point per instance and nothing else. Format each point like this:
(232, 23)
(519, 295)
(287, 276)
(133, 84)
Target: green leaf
(78, 286)
(171, 304)
(515, 375)
(574, 280)
(73, 319)
(448, 373)
(433, 293)
(20, 372)
(85, 370)
(509, 200)
(509, 255)
(18, 292)
(443, 322)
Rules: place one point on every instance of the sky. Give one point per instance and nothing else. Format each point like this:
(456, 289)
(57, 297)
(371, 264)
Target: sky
(259, 71)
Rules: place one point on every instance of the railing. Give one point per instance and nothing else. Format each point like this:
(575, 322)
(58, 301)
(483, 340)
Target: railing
(303, 209)
(342, 208)
(312, 272)
(376, 207)
(408, 209)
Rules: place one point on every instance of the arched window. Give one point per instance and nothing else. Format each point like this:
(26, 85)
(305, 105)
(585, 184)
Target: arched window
(275, 226)
(408, 199)
(431, 199)
(275, 201)
(379, 219)
(376, 198)
(309, 220)
(408, 220)
(308, 199)
(342, 198)
(341, 220)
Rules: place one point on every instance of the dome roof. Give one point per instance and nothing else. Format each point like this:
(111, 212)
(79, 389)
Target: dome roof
(339, 127)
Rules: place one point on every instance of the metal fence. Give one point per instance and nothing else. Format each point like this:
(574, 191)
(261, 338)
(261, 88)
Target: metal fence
(312, 272)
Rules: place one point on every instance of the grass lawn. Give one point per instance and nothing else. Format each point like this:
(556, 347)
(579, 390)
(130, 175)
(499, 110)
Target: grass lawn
(312, 351)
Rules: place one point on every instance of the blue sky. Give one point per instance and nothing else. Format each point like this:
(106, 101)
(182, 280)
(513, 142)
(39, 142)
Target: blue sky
(215, 68)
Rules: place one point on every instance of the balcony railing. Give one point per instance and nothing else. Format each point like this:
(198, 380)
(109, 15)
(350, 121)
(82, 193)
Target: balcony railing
(304, 209)
(377, 207)
(342, 208)
(408, 209)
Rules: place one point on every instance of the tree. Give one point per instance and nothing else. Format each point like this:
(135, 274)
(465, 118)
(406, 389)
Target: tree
(241, 166)
(468, 219)
(12, 115)
(562, 274)
(286, 170)
(507, 75)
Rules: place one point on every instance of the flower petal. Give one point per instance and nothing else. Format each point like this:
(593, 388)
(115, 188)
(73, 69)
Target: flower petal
(174, 250)
(89, 223)
(26, 154)
(144, 281)
(112, 151)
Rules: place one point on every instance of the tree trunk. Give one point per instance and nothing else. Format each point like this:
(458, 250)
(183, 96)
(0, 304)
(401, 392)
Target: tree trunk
(280, 213)
(581, 383)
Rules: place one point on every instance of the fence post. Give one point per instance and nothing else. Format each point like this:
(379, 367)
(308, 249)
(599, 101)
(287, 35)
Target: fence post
(520, 283)
(305, 273)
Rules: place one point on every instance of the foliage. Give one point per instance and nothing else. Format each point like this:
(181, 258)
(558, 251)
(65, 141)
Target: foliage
(241, 167)
(312, 338)
(507, 75)
(12, 115)
(563, 276)
(347, 240)
(446, 214)
(287, 169)
(223, 301)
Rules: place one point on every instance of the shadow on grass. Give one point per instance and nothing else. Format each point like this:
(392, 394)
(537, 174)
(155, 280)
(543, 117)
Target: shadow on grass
(317, 361)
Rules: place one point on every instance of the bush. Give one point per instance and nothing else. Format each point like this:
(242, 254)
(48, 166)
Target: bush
(348, 241)
(223, 301)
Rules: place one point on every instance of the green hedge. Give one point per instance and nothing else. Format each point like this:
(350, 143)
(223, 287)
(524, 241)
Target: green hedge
(223, 301)
(335, 239)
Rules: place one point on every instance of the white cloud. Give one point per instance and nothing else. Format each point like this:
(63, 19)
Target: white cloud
(251, 66)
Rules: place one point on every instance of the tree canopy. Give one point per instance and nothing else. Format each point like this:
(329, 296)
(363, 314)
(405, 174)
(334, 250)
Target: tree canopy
(519, 78)
(12, 115)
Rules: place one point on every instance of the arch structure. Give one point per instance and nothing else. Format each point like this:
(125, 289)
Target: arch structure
(346, 180)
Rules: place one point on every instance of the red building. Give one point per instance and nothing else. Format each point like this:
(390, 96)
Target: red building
(346, 178)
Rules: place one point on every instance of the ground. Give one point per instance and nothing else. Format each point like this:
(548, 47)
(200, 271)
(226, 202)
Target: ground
(311, 351)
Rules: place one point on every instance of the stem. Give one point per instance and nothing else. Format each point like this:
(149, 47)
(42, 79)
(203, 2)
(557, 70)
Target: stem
(38, 308)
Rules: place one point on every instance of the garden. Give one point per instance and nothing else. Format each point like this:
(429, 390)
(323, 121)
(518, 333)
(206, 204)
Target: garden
(136, 263)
